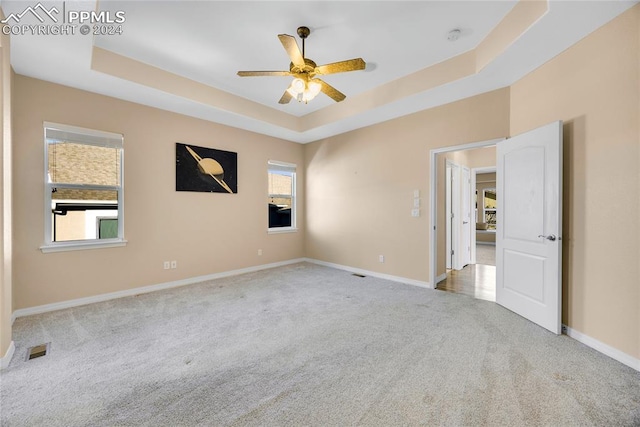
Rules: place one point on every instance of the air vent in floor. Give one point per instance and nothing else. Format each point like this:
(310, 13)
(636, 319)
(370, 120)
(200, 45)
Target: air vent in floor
(37, 351)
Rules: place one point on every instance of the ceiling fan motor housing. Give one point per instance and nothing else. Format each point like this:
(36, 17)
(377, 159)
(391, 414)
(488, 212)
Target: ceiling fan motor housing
(309, 67)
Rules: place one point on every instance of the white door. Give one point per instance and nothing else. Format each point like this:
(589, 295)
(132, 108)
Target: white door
(449, 216)
(465, 244)
(529, 225)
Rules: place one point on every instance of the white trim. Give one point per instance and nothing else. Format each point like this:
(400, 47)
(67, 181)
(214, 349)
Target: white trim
(433, 195)
(284, 164)
(293, 168)
(603, 348)
(441, 277)
(6, 359)
(404, 280)
(82, 245)
(145, 289)
(109, 139)
(281, 230)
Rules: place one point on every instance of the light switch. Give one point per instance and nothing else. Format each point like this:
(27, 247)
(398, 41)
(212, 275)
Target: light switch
(416, 203)
(415, 213)
(416, 193)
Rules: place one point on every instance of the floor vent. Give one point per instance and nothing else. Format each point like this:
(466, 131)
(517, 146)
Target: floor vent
(358, 275)
(37, 351)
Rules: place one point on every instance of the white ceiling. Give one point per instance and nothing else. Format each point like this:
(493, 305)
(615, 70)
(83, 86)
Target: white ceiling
(209, 41)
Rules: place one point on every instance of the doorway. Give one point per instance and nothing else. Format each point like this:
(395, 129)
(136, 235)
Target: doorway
(529, 227)
(477, 278)
(456, 211)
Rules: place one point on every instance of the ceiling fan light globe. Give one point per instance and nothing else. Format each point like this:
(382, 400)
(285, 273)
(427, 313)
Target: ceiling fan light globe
(314, 88)
(297, 85)
(308, 95)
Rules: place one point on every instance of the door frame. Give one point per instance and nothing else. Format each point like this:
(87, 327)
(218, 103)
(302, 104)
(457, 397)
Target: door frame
(474, 183)
(452, 214)
(465, 186)
(433, 199)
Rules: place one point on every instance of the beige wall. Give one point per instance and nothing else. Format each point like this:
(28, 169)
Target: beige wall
(360, 184)
(206, 233)
(6, 197)
(594, 88)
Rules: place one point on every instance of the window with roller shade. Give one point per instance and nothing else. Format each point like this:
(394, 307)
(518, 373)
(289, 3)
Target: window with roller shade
(83, 188)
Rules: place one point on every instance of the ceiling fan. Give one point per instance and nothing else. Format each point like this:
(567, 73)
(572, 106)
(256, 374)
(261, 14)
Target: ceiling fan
(305, 86)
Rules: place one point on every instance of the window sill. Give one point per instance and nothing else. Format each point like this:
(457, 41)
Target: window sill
(282, 230)
(80, 246)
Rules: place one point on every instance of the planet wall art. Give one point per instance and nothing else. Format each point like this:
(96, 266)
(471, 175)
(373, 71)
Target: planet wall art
(206, 169)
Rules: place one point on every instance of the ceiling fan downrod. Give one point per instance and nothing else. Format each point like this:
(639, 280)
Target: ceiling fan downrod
(303, 33)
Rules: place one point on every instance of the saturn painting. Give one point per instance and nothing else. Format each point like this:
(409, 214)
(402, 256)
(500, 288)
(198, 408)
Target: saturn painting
(206, 169)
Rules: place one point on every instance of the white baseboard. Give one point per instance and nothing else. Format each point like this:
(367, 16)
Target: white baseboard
(404, 280)
(441, 277)
(145, 289)
(6, 359)
(603, 348)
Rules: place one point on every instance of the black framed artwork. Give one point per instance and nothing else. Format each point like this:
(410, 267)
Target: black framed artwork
(206, 169)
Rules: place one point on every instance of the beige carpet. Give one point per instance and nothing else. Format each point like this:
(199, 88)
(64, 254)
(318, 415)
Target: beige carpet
(307, 345)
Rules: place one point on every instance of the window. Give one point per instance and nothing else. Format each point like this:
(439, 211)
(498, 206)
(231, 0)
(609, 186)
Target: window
(489, 207)
(83, 188)
(282, 196)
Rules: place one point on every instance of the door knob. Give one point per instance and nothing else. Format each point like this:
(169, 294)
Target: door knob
(465, 222)
(551, 237)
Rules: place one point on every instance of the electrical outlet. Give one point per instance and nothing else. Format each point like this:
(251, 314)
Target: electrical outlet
(415, 213)
(174, 264)
(380, 258)
(416, 203)
(259, 252)
(416, 194)
(166, 265)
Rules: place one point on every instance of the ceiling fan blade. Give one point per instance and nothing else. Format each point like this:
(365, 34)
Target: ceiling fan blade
(291, 46)
(263, 73)
(331, 91)
(286, 97)
(342, 66)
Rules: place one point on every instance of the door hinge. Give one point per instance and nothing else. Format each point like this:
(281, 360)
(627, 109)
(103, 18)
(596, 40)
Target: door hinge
(452, 252)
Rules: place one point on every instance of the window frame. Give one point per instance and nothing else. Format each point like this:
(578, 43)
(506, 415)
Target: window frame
(95, 138)
(294, 172)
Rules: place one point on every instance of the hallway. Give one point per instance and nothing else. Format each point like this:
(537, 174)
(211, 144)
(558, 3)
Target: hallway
(475, 280)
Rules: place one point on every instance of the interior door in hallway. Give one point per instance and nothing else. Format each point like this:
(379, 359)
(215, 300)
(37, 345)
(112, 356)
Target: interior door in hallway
(465, 244)
(529, 225)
